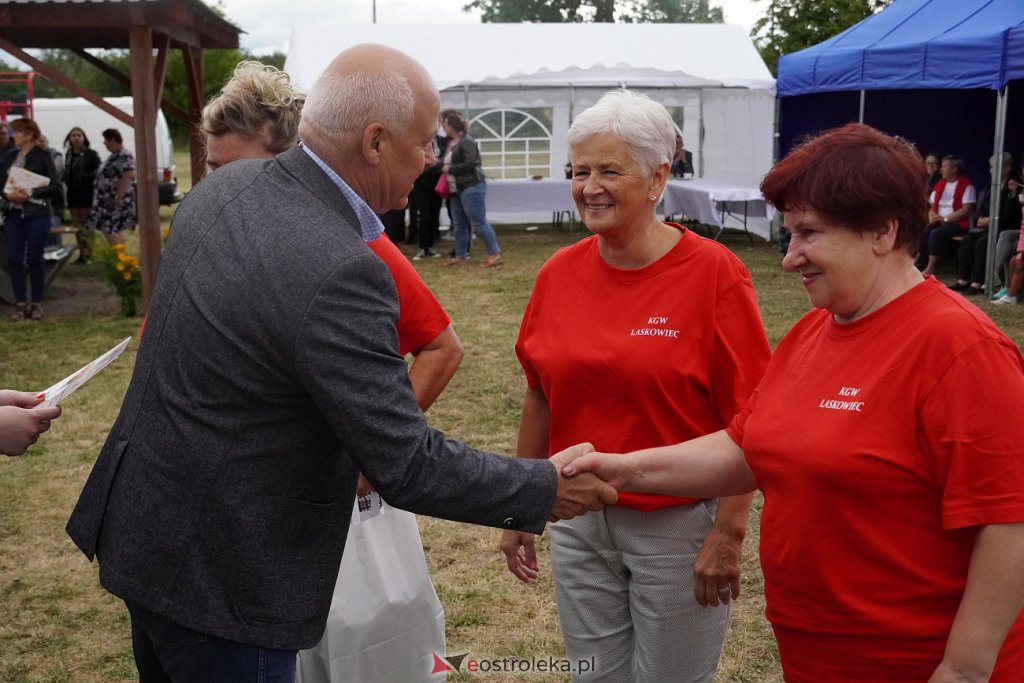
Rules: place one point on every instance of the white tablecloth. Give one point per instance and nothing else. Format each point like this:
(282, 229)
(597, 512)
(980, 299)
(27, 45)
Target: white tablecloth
(547, 195)
(704, 200)
(701, 199)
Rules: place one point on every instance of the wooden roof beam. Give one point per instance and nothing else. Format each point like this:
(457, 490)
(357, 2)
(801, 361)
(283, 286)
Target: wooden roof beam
(62, 80)
(168, 107)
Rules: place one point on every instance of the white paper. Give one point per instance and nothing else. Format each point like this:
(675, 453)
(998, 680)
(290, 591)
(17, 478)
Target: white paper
(21, 179)
(64, 388)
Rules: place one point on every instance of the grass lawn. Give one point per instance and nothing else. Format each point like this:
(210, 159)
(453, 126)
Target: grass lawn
(57, 624)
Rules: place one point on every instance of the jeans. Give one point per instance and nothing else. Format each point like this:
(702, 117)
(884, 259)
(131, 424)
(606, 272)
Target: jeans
(20, 235)
(469, 207)
(167, 652)
(1006, 247)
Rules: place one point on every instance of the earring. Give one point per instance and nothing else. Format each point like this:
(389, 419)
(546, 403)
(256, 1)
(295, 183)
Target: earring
(654, 197)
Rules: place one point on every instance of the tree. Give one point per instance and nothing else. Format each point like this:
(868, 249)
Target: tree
(671, 12)
(792, 25)
(218, 66)
(606, 11)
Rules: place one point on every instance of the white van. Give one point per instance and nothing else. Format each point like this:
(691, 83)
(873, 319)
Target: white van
(56, 118)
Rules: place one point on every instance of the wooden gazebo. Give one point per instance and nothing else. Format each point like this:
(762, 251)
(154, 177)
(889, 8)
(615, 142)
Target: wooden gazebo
(142, 26)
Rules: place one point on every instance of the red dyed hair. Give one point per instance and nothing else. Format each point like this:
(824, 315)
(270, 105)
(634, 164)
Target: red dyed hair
(857, 178)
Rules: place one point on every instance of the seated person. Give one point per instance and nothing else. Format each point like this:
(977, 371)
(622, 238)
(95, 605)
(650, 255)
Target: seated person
(682, 160)
(932, 162)
(972, 254)
(952, 202)
(1015, 272)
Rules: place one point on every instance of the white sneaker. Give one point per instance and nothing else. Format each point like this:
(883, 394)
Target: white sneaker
(1005, 299)
(420, 255)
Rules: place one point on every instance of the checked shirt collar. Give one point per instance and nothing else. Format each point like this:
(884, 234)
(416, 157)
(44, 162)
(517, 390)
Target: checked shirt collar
(369, 222)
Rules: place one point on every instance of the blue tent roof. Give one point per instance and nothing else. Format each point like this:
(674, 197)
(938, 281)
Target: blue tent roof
(915, 44)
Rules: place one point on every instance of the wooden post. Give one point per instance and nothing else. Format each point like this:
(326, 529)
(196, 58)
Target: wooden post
(140, 40)
(193, 58)
(160, 68)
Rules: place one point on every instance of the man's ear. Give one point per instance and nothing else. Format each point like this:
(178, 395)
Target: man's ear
(372, 142)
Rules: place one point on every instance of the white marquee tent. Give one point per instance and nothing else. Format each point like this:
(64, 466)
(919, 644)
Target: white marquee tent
(506, 76)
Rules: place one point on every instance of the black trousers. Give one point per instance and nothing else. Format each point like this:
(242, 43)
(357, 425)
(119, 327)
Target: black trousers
(424, 216)
(394, 224)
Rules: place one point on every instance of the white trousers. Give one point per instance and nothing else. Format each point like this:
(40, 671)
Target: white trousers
(624, 586)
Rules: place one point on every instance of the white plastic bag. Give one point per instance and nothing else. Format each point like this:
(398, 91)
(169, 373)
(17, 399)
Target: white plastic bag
(386, 622)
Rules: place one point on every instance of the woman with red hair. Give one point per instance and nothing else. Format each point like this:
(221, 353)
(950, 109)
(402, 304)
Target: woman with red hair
(891, 535)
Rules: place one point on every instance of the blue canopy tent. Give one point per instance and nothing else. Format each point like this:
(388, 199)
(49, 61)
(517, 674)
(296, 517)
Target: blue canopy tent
(943, 73)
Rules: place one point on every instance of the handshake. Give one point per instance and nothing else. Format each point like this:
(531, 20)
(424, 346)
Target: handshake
(581, 492)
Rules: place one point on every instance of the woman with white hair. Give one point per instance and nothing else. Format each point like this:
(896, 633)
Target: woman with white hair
(639, 334)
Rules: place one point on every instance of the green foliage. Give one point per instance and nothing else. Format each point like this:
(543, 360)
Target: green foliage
(218, 66)
(123, 273)
(792, 25)
(607, 11)
(671, 12)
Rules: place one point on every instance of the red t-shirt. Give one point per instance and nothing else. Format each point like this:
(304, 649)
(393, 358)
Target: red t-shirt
(880, 445)
(420, 316)
(632, 359)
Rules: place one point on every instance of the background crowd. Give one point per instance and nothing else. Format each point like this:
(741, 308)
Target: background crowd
(98, 196)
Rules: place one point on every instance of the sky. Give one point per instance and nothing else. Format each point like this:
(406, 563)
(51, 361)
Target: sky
(268, 23)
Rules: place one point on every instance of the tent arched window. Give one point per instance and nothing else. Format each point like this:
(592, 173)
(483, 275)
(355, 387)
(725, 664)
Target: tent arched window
(514, 143)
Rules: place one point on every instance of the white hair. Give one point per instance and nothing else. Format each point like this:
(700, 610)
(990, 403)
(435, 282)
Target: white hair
(644, 125)
(341, 104)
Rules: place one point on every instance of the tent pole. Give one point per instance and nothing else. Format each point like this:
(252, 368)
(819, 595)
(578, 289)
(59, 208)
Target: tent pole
(572, 103)
(994, 205)
(700, 133)
(860, 115)
(465, 108)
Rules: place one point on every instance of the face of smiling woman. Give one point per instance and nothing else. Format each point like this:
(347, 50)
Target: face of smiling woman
(840, 268)
(612, 190)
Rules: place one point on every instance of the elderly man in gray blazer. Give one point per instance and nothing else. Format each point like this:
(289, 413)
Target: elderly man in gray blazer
(268, 378)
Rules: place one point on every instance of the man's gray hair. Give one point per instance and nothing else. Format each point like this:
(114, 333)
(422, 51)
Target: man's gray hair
(341, 104)
(642, 124)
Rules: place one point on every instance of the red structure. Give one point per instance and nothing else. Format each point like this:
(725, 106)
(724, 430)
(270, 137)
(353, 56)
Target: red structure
(17, 107)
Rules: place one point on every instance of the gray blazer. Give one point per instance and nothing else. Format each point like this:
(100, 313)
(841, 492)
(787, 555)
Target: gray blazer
(269, 377)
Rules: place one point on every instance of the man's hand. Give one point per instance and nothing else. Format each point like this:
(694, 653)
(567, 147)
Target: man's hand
(520, 555)
(364, 487)
(21, 427)
(982, 222)
(582, 493)
(716, 573)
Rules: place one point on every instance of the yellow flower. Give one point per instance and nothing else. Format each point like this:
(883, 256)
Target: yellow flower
(121, 256)
(127, 276)
(167, 232)
(119, 247)
(120, 266)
